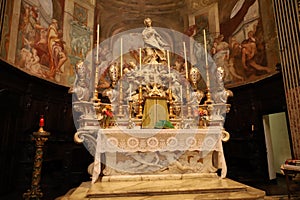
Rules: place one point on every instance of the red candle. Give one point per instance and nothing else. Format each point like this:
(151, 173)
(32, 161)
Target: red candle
(42, 121)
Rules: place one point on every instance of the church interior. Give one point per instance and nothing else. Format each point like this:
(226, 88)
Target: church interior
(158, 99)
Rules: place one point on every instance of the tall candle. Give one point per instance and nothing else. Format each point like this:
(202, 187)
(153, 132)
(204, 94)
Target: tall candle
(168, 56)
(121, 57)
(140, 58)
(185, 61)
(205, 48)
(97, 46)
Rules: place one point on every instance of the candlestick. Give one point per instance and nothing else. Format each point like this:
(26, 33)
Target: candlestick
(208, 101)
(205, 48)
(40, 138)
(185, 61)
(130, 93)
(140, 58)
(121, 57)
(140, 102)
(95, 98)
(181, 107)
(97, 46)
(120, 114)
(169, 68)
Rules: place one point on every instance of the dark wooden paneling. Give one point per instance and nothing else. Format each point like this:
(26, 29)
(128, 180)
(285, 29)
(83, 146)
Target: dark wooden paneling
(23, 98)
(245, 152)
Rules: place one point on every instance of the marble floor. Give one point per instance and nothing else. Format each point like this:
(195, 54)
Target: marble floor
(200, 190)
(274, 190)
(150, 187)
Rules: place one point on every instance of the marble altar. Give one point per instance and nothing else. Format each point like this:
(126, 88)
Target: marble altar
(133, 161)
(159, 151)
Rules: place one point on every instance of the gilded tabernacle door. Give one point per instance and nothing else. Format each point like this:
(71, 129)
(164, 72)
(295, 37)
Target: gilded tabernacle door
(155, 109)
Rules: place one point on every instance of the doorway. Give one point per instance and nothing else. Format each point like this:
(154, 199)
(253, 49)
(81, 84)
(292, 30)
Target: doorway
(277, 142)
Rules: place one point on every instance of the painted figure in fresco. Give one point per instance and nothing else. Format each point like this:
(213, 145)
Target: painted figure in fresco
(249, 50)
(154, 44)
(30, 23)
(221, 55)
(55, 48)
(234, 59)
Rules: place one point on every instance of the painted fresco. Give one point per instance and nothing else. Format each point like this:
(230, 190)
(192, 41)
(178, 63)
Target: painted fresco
(5, 29)
(47, 45)
(40, 48)
(237, 43)
(241, 37)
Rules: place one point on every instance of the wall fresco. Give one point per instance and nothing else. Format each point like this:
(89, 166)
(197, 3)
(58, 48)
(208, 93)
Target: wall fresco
(237, 43)
(52, 36)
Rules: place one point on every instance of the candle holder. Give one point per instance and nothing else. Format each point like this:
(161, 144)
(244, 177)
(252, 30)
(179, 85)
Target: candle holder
(140, 103)
(208, 94)
(130, 122)
(120, 113)
(40, 138)
(189, 109)
(171, 102)
(95, 95)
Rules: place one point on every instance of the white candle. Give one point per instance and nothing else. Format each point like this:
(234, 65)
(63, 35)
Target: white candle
(185, 61)
(169, 68)
(97, 46)
(140, 58)
(205, 48)
(121, 57)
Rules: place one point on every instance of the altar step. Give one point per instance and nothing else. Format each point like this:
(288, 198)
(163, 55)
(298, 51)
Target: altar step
(183, 189)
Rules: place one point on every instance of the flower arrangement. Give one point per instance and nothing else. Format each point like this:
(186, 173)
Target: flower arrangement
(107, 116)
(203, 113)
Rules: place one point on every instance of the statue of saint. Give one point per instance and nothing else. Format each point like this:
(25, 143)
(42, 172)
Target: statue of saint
(154, 44)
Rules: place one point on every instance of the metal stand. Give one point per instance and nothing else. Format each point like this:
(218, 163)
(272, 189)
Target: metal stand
(40, 138)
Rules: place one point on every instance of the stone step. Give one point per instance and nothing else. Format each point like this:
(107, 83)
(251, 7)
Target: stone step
(185, 189)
